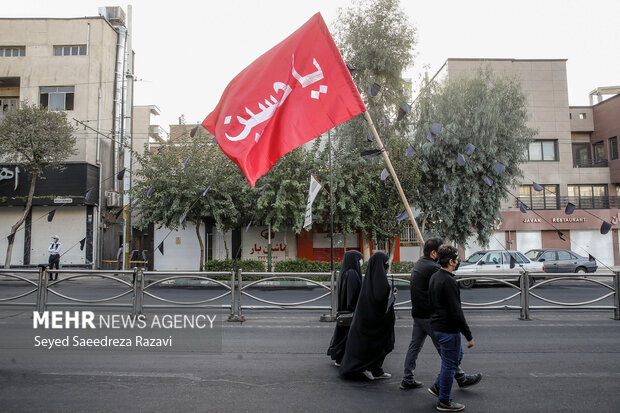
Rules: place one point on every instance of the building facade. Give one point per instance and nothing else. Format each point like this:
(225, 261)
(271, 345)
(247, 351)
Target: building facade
(574, 157)
(83, 66)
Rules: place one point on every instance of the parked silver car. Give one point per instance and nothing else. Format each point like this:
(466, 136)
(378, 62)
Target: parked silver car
(495, 263)
(559, 260)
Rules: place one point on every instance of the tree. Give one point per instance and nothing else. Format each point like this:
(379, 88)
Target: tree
(283, 203)
(169, 191)
(488, 111)
(37, 139)
(377, 39)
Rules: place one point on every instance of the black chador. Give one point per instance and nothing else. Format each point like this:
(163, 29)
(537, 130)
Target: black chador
(371, 336)
(349, 286)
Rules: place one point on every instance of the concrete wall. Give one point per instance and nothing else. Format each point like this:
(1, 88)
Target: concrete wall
(607, 122)
(69, 224)
(585, 242)
(40, 68)
(254, 245)
(181, 249)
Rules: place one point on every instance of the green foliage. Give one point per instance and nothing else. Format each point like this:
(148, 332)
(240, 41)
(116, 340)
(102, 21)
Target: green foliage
(283, 204)
(488, 111)
(402, 267)
(303, 265)
(227, 265)
(36, 138)
(177, 190)
(377, 39)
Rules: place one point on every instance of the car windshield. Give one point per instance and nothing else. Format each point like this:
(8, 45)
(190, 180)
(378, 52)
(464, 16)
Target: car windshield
(475, 257)
(533, 254)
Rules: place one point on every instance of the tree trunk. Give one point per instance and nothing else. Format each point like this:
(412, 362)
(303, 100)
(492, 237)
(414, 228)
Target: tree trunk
(14, 228)
(366, 249)
(225, 243)
(286, 255)
(202, 246)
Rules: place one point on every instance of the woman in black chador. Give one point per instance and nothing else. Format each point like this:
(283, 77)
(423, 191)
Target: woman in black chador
(349, 286)
(371, 336)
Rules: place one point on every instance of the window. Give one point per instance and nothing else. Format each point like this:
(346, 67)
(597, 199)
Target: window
(12, 51)
(71, 50)
(613, 148)
(7, 105)
(549, 256)
(408, 235)
(519, 258)
(57, 98)
(599, 152)
(582, 115)
(581, 154)
(564, 256)
(493, 258)
(545, 199)
(543, 151)
(588, 196)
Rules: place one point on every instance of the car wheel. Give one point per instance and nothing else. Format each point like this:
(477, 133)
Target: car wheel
(580, 270)
(532, 281)
(466, 283)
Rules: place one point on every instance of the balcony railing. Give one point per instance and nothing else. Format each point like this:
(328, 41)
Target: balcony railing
(590, 163)
(594, 202)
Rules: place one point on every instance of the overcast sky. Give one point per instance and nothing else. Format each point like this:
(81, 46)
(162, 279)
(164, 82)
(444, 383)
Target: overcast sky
(187, 51)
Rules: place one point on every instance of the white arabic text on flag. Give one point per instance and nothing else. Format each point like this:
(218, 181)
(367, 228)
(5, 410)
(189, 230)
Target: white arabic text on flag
(315, 187)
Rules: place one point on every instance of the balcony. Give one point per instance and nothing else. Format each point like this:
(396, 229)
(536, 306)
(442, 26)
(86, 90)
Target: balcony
(590, 163)
(550, 203)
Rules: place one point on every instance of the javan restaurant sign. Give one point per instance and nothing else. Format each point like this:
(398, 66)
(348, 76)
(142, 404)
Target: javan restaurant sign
(556, 220)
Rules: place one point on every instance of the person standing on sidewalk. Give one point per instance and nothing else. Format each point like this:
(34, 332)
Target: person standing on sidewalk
(424, 268)
(349, 286)
(448, 323)
(54, 249)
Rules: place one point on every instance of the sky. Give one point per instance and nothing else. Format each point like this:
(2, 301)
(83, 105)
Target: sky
(188, 51)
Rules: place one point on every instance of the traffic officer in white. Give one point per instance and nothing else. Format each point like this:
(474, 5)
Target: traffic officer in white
(55, 250)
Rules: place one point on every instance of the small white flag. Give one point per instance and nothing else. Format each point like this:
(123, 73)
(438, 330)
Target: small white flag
(315, 187)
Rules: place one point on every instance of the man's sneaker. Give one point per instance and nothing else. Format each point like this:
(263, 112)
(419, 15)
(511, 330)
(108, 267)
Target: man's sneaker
(383, 375)
(368, 375)
(413, 385)
(434, 390)
(450, 406)
(470, 380)
(336, 364)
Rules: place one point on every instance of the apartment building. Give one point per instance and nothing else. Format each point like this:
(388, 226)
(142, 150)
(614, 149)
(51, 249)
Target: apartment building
(83, 66)
(574, 157)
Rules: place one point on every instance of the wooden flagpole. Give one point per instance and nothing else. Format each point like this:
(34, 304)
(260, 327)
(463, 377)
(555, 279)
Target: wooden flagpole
(393, 173)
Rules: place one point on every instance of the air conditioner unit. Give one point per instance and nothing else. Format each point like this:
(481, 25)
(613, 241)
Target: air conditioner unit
(115, 15)
(112, 199)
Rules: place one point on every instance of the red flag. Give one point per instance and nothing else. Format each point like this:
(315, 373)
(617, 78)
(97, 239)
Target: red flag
(285, 98)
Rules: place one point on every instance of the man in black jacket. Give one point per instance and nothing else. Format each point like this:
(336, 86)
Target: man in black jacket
(448, 323)
(421, 312)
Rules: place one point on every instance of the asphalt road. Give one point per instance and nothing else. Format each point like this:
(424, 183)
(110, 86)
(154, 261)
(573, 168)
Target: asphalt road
(276, 362)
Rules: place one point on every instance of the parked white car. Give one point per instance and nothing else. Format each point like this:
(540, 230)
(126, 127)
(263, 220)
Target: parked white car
(496, 262)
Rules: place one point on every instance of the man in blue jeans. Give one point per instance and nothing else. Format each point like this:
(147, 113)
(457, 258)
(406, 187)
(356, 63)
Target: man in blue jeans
(448, 323)
(421, 312)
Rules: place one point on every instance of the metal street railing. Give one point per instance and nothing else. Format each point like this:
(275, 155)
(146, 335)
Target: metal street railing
(238, 287)
(263, 278)
(156, 280)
